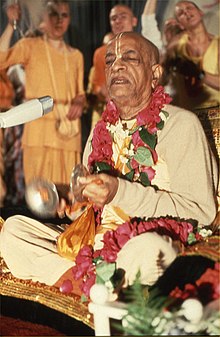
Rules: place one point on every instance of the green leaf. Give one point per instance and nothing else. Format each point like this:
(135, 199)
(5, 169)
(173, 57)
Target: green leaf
(100, 167)
(104, 271)
(84, 298)
(166, 114)
(134, 130)
(191, 238)
(144, 179)
(160, 125)
(97, 260)
(129, 176)
(99, 280)
(148, 138)
(129, 164)
(143, 156)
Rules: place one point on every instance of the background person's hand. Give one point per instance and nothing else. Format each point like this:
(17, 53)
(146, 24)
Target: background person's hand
(76, 108)
(13, 13)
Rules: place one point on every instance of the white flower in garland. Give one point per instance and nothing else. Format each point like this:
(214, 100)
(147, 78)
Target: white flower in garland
(117, 130)
(205, 232)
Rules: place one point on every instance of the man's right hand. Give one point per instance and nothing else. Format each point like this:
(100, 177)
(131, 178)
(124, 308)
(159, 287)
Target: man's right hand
(13, 13)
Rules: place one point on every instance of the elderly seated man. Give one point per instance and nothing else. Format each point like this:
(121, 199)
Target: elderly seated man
(152, 160)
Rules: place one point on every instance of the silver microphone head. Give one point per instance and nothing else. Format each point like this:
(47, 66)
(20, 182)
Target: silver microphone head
(26, 112)
(47, 104)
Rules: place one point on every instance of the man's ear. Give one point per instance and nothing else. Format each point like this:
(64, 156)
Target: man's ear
(134, 21)
(157, 71)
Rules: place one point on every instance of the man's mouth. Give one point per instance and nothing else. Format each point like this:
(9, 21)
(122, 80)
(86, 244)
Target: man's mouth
(189, 17)
(119, 81)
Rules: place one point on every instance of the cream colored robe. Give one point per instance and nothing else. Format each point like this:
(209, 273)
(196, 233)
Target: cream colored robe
(187, 179)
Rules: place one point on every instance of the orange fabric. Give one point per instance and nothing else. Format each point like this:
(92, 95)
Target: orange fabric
(43, 160)
(6, 91)
(99, 68)
(68, 275)
(80, 233)
(42, 133)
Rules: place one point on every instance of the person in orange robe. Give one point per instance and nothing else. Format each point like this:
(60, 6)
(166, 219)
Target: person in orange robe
(51, 144)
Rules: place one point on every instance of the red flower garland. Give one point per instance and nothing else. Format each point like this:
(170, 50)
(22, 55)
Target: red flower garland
(87, 258)
(148, 123)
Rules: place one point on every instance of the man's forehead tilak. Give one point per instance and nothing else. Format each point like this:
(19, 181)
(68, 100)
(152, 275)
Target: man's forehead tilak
(118, 46)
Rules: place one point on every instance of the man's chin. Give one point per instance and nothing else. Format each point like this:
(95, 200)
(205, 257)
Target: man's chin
(123, 99)
(118, 93)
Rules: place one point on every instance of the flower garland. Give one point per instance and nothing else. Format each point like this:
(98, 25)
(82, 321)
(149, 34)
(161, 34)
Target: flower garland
(140, 153)
(91, 264)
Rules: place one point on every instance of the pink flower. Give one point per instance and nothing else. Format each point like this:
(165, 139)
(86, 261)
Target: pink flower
(111, 114)
(66, 287)
(150, 115)
(136, 140)
(113, 241)
(87, 284)
(102, 145)
(134, 164)
(150, 172)
(84, 262)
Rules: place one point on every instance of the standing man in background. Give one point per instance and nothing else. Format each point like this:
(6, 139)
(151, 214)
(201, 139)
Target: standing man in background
(121, 19)
(52, 144)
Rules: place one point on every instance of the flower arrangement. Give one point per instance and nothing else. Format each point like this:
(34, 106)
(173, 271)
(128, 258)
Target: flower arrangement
(138, 155)
(189, 307)
(99, 266)
(190, 310)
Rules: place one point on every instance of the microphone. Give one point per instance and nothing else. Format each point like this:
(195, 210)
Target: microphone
(26, 112)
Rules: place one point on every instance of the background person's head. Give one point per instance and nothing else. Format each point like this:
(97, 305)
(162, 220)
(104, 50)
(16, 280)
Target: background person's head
(56, 18)
(132, 72)
(122, 19)
(188, 14)
(107, 37)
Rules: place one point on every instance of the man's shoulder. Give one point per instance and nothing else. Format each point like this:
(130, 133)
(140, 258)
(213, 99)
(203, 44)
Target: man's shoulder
(180, 115)
(33, 40)
(74, 50)
(100, 51)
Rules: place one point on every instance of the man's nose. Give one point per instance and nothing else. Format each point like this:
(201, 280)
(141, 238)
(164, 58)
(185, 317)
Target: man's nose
(118, 64)
(118, 19)
(59, 17)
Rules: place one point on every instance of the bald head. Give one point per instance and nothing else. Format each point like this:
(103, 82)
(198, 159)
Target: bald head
(122, 19)
(132, 72)
(147, 49)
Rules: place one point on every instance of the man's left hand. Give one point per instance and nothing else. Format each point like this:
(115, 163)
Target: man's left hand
(99, 189)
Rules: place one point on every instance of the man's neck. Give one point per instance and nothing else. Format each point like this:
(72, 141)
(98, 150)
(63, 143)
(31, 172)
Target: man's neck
(198, 33)
(57, 43)
(129, 112)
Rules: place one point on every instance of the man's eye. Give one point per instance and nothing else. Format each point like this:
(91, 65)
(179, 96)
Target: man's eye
(109, 61)
(53, 14)
(132, 60)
